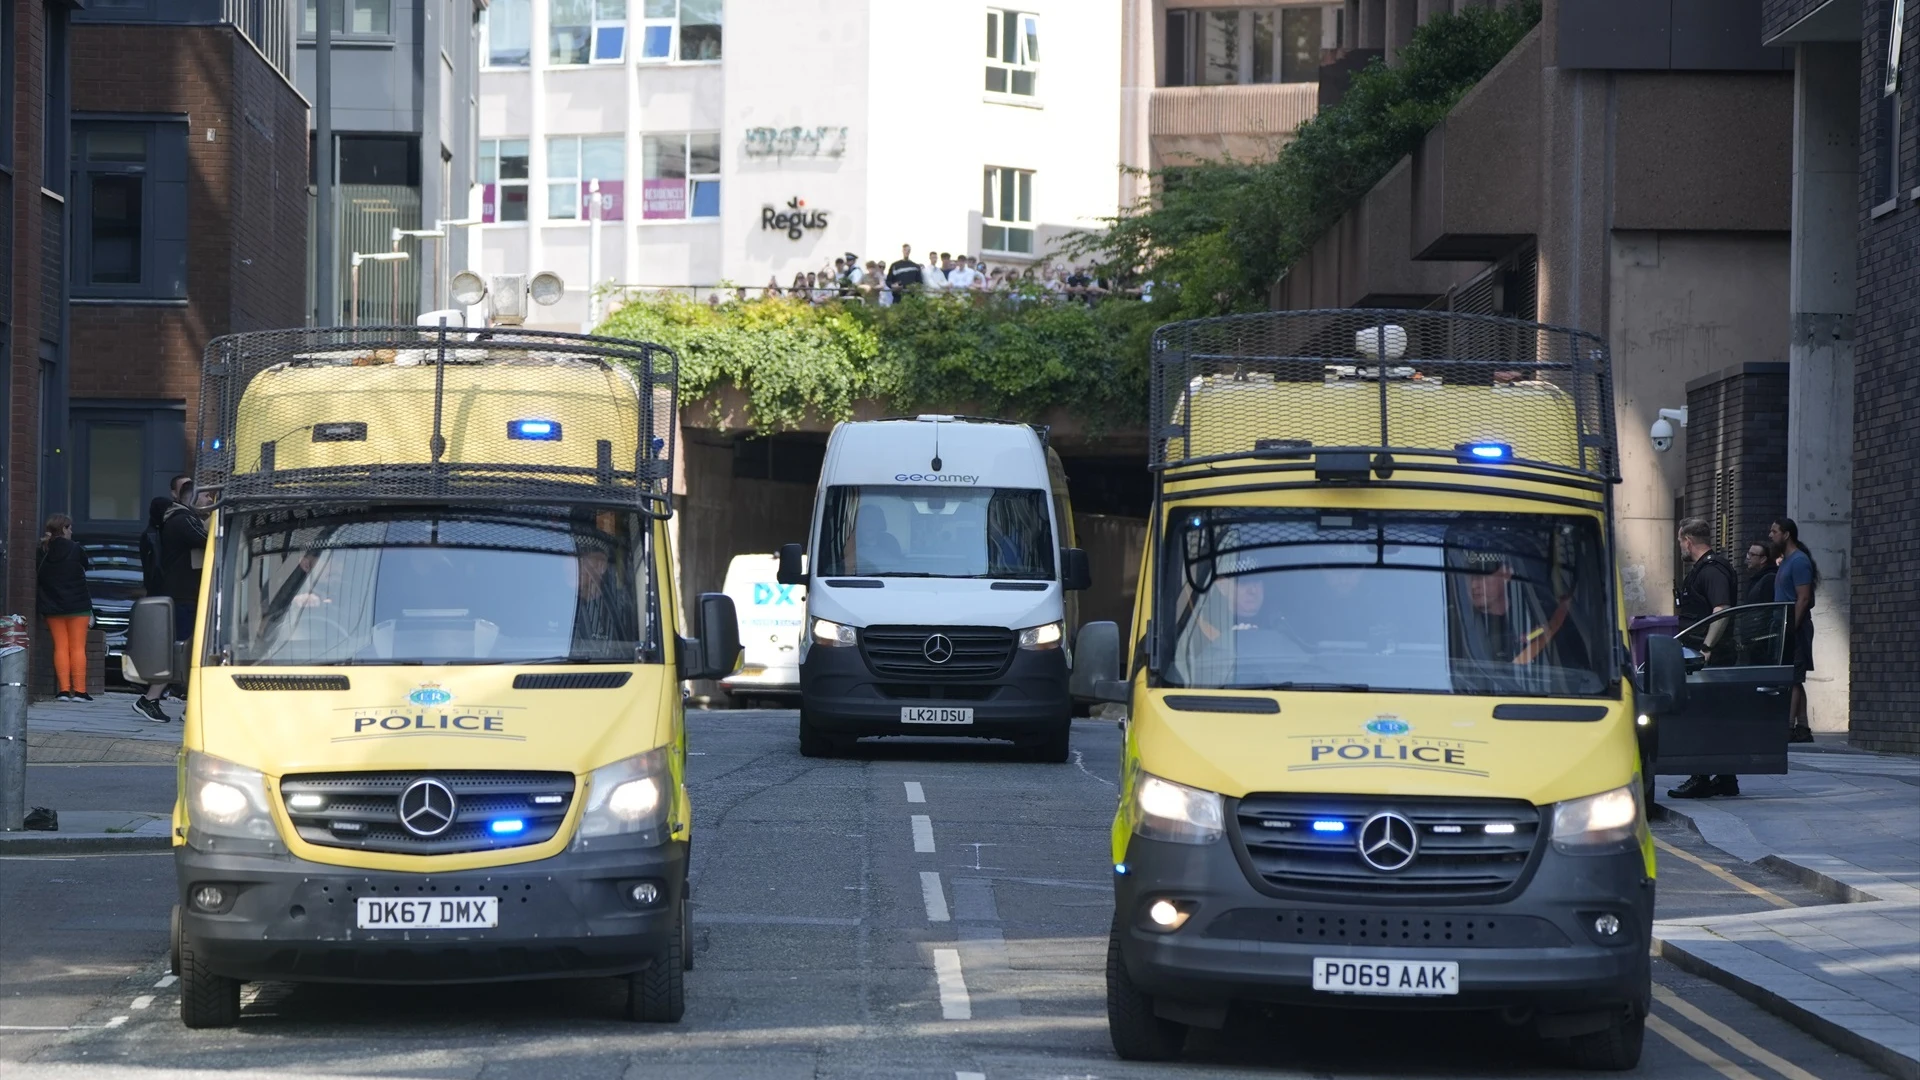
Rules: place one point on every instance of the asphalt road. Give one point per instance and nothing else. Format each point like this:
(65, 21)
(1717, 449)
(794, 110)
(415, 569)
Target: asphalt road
(920, 909)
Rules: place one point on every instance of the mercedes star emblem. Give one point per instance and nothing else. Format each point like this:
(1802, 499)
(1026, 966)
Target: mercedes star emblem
(427, 807)
(1388, 842)
(938, 649)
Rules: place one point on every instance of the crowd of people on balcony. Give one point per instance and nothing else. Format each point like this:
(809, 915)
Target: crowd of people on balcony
(873, 281)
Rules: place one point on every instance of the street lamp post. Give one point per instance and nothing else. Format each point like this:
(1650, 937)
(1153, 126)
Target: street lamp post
(354, 274)
(418, 234)
(442, 273)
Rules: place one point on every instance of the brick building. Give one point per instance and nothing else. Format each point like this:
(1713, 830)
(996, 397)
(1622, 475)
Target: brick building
(33, 337)
(189, 205)
(1855, 394)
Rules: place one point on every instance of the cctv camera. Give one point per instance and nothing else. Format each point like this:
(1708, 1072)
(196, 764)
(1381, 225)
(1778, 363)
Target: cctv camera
(1662, 435)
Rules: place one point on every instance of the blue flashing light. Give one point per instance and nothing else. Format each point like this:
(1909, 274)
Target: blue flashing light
(216, 444)
(1329, 826)
(539, 430)
(507, 826)
(1491, 451)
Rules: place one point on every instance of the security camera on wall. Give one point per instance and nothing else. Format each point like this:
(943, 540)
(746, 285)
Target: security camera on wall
(1662, 430)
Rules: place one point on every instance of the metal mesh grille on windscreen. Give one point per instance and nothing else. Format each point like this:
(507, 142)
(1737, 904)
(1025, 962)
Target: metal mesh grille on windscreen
(1290, 383)
(434, 414)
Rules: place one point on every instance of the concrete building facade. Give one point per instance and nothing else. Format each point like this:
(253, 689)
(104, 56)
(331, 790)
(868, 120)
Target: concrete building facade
(750, 141)
(404, 86)
(1624, 170)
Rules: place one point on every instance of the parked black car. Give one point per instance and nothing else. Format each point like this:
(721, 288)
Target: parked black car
(115, 580)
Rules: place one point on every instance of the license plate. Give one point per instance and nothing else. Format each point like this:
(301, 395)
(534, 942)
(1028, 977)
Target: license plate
(472, 913)
(1410, 978)
(923, 714)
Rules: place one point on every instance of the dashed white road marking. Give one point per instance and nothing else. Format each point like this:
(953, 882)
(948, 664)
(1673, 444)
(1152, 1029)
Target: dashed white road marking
(915, 793)
(954, 1002)
(934, 895)
(166, 981)
(922, 834)
(118, 1020)
(144, 1001)
(969, 1076)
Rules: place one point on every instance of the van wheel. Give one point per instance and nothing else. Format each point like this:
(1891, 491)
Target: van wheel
(686, 929)
(1615, 1048)
(814, 742)
(658, 995)
(1137, 1034)
(173, 960)
(206, 1000)
(1052, 748)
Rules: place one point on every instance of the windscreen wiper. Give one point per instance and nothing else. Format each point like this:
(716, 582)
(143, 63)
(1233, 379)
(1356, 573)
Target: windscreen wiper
(1350, 687)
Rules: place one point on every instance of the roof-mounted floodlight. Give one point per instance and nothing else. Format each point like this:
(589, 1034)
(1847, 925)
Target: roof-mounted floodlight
(468, 288)
(546, 288)
(1367, 342)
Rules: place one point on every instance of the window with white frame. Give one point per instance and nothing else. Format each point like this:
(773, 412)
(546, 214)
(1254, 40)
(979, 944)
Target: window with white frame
(509, 33)
(503, 180)
(1006, 211)
(350, 18)
(687, 30)
(573, 163)
(1013, 52)
(609, 31)
(680, 176)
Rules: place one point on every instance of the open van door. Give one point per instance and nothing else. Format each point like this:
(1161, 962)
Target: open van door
(1739, 693)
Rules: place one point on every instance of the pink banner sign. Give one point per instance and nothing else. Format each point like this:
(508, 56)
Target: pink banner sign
(662, 198)
(613, 201)
(489, 203)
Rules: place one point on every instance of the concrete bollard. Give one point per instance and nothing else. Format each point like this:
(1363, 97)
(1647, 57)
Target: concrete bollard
(13, 738)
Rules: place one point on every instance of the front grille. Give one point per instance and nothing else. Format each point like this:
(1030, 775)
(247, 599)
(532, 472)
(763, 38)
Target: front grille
(1457, 856)
(292, 682)
(900, 652)
(935, 691)
(1407, 929)
(361, 810)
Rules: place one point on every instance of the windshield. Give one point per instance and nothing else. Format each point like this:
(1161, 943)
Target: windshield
(428, 586)
(936, 532)
(1506, 604)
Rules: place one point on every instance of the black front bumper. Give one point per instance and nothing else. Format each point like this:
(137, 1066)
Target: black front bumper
(569, 915)
(1535, 950)
(840, 695)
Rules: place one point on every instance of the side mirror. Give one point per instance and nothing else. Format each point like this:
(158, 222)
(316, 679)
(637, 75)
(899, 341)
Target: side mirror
(150, 640)
(715, 652)
(1075, 573)
(1096, 664)
(793, 569)
(1666, 688)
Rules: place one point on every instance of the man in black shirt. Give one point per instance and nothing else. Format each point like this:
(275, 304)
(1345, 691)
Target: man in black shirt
(904, 274)
(183, 541)
(1759, 572)
(1710, 586)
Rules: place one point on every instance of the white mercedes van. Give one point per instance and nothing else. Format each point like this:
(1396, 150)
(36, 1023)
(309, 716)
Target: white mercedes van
(936, 587)
(772, 616)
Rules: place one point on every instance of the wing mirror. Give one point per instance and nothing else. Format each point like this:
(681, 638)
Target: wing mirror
(150, 643)
(1096, 664)
(1075, 573)
(715, 652)
(793, 568)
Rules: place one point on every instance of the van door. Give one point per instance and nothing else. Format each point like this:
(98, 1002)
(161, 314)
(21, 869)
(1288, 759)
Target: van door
(1739, 695)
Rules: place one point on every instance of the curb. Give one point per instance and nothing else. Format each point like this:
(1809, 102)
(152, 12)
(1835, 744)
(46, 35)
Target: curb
(53, 843)
(1825, 884)
(1875, 1053)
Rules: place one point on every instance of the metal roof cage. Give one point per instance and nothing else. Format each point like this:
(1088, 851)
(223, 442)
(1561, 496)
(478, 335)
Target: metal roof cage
(500, 416)
(1390, 388)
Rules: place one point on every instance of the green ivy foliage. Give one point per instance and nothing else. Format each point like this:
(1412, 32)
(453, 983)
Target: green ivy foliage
(797, 362)
(1223, 232)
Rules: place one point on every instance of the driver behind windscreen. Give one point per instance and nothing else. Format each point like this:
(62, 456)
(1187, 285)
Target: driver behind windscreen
(605, 617)
(1502, 625)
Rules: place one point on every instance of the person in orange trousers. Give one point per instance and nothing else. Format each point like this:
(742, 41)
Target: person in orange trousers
(66, 605)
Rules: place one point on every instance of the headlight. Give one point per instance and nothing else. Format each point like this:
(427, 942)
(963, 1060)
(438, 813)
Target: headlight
(831, 634)
(628, 798)
(1597, 824)
(1164, 810)
(228, 807)
(1042, 637)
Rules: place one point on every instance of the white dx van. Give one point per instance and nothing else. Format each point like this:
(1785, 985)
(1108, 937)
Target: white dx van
(936, 589)
(772, 617)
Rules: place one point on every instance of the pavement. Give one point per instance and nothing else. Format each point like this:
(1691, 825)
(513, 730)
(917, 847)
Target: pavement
(1845, 824)
(104, 731)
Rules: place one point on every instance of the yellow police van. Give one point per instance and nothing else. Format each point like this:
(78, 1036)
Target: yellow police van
(1383, 747)
(434, 730)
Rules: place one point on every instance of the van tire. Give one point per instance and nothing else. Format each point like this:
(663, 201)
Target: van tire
(173, 958)
(1137, 1034)
(686, 930)
(658, 995)
(1615, 1048)
(815, 743)
(206, 1000)
(1052, 748)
